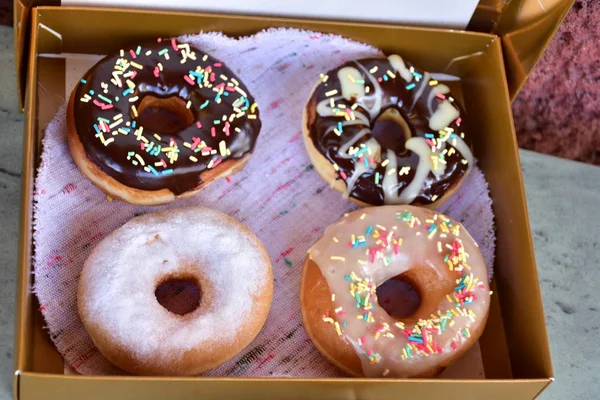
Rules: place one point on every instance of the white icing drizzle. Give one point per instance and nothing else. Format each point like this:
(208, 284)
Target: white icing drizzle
(435, 90)
(343, 150)
(352, 83)
(459, 144)
(398, 64)
(358, 121)
(390, 180)
(374, 148)
(324, 108)
(446, 117)
(443, 116)
(359, 169)
(376, 94)
(424, 84)
(423, 150)
(359, 116)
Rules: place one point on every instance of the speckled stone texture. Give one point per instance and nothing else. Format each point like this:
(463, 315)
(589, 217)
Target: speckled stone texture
(558, 110)
(11, 142)
(567, 245)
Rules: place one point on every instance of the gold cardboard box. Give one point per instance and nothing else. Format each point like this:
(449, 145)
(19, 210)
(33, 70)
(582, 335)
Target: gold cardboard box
(526, 35)
(514, 346)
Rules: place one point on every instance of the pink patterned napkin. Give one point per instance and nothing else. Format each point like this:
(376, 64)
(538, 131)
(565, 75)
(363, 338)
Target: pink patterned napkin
(278, 195)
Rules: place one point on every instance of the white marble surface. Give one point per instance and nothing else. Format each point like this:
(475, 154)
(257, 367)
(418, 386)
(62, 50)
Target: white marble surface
(563, 206)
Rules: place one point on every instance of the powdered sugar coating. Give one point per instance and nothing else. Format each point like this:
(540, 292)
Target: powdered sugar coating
(121, 276)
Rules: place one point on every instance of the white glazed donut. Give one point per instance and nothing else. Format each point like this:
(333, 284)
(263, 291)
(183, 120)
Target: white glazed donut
(119, 309)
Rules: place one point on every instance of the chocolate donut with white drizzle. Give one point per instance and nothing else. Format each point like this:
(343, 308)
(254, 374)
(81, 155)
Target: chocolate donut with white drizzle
(384, 132)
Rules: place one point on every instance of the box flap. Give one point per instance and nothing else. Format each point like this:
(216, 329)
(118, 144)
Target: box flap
(21, 24)
(418, 13)
(21, 28)
(526, 30)
(429, 13)
(37, 386)
(526, 26)
(487, 15)
(16, 384)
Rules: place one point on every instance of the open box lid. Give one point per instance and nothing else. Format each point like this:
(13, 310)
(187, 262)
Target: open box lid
(526, 27)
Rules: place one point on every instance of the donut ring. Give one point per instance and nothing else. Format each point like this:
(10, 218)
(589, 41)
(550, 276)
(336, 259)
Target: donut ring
(156, 122)
(381, 131)
(431, 252)
(118, 307)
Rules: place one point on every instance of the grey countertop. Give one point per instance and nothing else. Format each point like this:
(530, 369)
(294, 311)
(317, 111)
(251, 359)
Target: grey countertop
(563, 206)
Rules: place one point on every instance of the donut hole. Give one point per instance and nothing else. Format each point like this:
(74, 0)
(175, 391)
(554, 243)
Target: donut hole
(391, 130)
(164, 115)
(398, 297)
(179, 296)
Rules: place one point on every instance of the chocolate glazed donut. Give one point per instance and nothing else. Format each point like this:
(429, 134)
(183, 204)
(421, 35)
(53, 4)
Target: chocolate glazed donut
(383, 132)
(158, 121)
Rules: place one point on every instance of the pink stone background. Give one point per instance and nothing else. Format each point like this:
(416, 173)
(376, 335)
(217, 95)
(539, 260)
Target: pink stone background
(558, 110)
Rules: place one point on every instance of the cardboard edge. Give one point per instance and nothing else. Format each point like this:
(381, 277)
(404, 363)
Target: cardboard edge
(339, 380)
(488, 14)
(547, 367)
(36, 385)
(25, 242)
(499, 366)
(496, 46)
(550, 381)
(514, 68)
(15, 15)
(257, 17)
(509, 17)
(17, 7)
(516, 87)
(542, 367)
(16, 385)
(21, 17)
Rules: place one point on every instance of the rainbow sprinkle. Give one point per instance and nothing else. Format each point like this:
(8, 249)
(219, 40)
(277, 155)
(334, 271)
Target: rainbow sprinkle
(159, 156)
(380, 244)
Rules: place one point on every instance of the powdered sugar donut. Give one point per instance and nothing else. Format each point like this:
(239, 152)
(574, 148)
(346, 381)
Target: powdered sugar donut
(119, 309)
